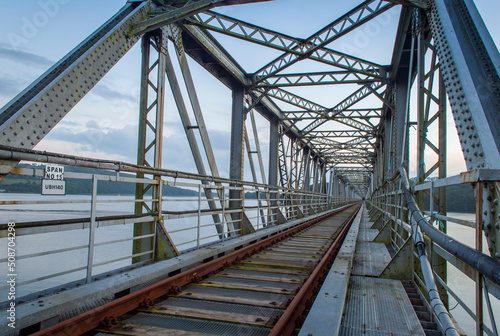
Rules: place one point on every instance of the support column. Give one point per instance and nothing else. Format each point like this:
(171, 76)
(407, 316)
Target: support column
(315, 175)
(236, 158)
(151, 122)
(273, 165)
(307, 170)
(421, 127)
(441, 268)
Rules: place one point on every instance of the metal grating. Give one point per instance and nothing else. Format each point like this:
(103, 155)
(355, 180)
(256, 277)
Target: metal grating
(367, 235)
(371, 306)
(370, 258)
(197, 326)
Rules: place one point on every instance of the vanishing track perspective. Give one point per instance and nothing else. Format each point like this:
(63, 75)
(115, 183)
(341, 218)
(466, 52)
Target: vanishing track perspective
(262, 289)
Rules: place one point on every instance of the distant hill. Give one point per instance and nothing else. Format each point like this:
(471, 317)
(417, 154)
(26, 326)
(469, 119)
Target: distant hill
(32, 185)
(459, 198)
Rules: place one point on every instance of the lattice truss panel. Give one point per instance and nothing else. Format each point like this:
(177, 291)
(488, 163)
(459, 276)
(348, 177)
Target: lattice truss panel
(341, 134)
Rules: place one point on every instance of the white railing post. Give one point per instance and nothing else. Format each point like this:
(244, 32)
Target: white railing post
(199, 218)
(93, 204)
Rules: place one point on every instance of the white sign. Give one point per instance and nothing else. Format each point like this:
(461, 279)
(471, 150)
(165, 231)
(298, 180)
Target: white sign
(53, 187)
(54, 172)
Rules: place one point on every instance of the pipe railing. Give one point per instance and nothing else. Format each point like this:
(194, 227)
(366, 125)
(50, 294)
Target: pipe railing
(387, 199)
(190, 225)
(435, 301)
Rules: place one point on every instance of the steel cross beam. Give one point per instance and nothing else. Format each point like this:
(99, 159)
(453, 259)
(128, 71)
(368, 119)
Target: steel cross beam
(337, 134)
(363, 113)
(317, 78)
(335, 145)
(349, 101)
(297, 101)
(169, 14)
(322, 111)
(248, 32)
(346, 23)
(342, 158)
(50, 97)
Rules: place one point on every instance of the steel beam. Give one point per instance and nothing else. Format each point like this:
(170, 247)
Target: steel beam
(49, 98)
(193, 143)
(470, 67)
(246, 31)
(151, 122)
(346, 23)
(236, 159)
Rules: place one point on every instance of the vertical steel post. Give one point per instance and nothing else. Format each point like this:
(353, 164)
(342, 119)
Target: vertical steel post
(330, 189)
(441, 268)
(273, 165)
(93, 204)
(198, 227)
(315, 175)
(236, 155)
(479, 247)
(151, 110)
(307, 169)
(140, 229)
(421, 125)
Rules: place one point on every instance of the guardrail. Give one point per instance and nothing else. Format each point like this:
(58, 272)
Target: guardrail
(395, 202)
(106, 221)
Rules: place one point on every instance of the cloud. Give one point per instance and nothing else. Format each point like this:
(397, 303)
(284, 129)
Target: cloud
(121, 144)
(104, 91)
(21, 56)
(9, 86)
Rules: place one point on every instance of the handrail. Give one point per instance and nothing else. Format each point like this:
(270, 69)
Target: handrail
(20, 154)
(416, 219)
(481, 262)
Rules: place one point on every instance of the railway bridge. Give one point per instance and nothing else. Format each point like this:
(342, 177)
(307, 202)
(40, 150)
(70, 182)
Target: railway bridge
(331, 217)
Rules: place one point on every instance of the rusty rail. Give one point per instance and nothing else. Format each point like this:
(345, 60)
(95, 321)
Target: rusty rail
(292, 315)
(110, 311)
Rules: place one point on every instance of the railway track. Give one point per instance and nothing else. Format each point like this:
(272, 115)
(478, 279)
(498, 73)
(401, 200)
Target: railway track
(261, 289)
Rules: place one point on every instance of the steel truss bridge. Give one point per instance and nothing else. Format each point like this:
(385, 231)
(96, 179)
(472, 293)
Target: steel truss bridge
(320, 157)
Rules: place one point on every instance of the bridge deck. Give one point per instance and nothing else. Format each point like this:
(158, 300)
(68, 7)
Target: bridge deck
(353, 300)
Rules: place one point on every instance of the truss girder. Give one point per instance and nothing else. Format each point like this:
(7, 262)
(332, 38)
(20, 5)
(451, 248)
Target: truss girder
(297, 101)
(346, 103)
(359, 15)
(294, 46)
(470, 64)
(320, 111)
(317, 78)
(338, 134)
(359, 114)
(49, 98)
(168, 14)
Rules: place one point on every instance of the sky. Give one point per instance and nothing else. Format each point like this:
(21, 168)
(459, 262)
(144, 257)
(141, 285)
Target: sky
(35, 34)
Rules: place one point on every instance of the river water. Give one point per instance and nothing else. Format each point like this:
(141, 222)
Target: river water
(41, 266)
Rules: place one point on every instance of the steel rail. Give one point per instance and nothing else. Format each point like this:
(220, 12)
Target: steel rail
(92, 319)
(288, 320)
